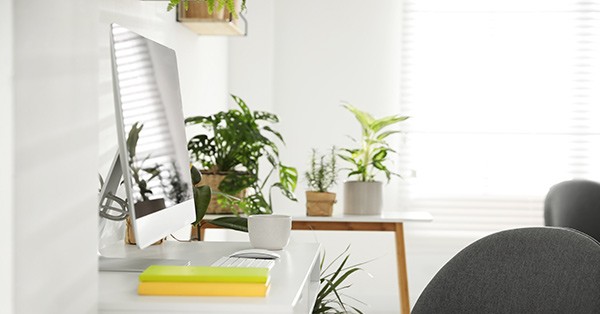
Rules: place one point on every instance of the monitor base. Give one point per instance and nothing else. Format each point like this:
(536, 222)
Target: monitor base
(136, 265)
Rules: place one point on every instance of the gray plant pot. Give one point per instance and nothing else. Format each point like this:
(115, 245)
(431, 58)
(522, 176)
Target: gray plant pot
(363, 198)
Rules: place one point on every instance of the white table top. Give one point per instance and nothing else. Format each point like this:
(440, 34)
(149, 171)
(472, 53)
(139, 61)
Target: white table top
(392, 217)
(293, 281)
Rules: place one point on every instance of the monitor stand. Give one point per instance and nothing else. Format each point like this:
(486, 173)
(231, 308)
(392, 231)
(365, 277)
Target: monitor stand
(107, 211)
(135, 264)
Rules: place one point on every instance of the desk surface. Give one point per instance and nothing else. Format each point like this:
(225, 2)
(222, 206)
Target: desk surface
(294, 281)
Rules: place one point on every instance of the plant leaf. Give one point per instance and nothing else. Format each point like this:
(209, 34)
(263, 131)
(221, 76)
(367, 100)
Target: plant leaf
(235, 223)
(379, 124)
(287, 193)
(288, 177)
(364, 118)
(385, 134)
(380, 155)
(202, 197)
(197, 120)
(266, 116)
(133, 137)
(267, 128)
(196, 175)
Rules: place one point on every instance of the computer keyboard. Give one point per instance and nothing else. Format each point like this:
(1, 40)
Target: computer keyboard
(227, 261)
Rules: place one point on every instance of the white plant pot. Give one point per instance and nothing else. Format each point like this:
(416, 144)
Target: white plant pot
(363, 198)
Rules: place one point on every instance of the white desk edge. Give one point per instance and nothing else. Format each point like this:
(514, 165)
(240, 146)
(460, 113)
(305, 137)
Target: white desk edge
(117, 291)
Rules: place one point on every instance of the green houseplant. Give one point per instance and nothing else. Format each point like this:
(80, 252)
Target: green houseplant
(364, 195)
(321, 176)
(233, 145)
(211, 17)
(202, 195)
(212, 5)
(330, 298)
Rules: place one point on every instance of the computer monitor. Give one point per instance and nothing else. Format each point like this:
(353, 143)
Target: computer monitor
(152, 156)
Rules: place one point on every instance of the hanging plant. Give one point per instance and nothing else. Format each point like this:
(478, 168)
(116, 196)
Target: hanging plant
(212, 5)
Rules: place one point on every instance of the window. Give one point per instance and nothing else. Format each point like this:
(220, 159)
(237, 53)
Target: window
(504, 103)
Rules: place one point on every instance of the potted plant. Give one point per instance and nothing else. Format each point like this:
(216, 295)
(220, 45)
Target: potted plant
(320, 177)
(333, 283)
(202, 196)
(363, 196)
(230, 153)
(210, 17)
(211, 5)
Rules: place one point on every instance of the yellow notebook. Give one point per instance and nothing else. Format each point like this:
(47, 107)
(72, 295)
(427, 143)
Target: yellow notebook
(168, 273)
(204, 289)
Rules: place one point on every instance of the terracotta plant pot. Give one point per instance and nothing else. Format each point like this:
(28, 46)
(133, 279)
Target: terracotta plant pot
(363, 198)
(319, 203)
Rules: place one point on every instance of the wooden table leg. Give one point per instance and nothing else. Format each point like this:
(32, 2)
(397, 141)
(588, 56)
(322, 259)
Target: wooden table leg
(402, 273)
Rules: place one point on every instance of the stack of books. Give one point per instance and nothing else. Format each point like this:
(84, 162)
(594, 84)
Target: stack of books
(204, 281)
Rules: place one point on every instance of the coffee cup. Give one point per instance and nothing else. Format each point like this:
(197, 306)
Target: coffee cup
(270, 232)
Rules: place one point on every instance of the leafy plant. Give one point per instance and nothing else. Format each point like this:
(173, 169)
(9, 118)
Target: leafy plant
(323, 171)
(369, 158)
(137, 166)
(234, 144)
(202, 195)
(330, 297)
(211, 4)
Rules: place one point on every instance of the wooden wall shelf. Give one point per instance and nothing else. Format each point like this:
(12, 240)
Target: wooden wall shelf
(197, 19)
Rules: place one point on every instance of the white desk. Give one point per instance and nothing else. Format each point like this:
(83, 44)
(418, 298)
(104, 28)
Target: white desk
(294, 281)
(387, 221)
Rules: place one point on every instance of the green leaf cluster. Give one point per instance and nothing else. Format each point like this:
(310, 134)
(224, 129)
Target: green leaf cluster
(369, 158)
(141, 174)
(234, 144)
(333, 283)
(212, 5)
(202, 195)
(322, 174)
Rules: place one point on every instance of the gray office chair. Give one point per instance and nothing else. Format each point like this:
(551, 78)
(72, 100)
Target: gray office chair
(574, 204)
(529, 270)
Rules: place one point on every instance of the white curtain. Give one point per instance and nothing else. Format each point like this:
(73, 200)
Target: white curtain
(504, 103)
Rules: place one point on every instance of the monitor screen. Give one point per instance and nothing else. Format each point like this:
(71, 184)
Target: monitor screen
(152, 143)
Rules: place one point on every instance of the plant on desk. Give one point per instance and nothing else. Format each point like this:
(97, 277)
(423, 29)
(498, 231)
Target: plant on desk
(202, 196)
(364, 195)
(230, 151)
(321, 176)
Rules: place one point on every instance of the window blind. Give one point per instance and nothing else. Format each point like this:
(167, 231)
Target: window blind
(504, 103)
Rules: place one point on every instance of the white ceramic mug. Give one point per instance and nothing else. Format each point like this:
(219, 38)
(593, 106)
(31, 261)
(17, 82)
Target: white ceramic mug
(271, 232)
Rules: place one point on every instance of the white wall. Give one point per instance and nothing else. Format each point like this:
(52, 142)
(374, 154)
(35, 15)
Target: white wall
(6, 158)
(55, 147)
(251, 66)
(306, 58)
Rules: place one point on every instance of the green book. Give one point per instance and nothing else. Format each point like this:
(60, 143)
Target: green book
(168, 273)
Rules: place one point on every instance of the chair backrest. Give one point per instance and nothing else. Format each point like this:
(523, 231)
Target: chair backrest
(529, 270)
(574, 204)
